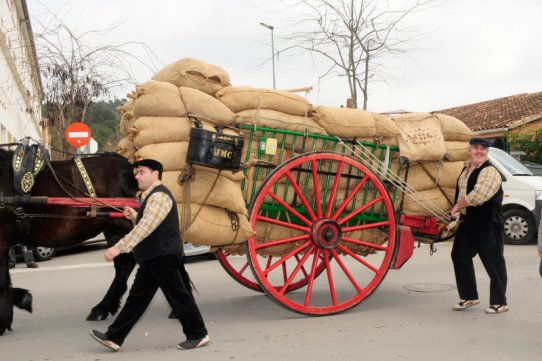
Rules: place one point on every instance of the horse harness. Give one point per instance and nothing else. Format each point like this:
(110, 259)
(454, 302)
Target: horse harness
(28, 162)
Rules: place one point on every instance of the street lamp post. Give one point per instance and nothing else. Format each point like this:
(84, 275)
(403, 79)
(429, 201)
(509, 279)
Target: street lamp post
(270, 27)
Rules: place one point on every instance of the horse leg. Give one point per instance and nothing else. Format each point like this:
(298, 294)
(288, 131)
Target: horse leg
(6, 307)
(21, 298)
(124, 264)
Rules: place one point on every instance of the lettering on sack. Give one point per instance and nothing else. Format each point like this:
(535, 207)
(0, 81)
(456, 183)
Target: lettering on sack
(423, 136)
(223, 153)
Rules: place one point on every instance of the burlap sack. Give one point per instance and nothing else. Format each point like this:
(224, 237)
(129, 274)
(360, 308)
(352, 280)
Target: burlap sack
(391, 141)
(125, 147)
(266, 232)
(277, 120)
(171, 155)
(127, 106)
(345, 122)
(213, 226)
(207, 188)
(245, 98)
(454, 129)
(385, 126)
(433, 195)
(457, 151)
(234, 249)
(156, 98)
(126, 123)
(372, 235)
(364, 196)
(443, 174)
(236, 177)
(285, 192)
(195, 74)
(150, 130)
(205, 107)
(421, 137)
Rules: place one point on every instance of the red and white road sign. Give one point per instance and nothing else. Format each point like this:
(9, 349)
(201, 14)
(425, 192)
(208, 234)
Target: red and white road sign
(78, 134)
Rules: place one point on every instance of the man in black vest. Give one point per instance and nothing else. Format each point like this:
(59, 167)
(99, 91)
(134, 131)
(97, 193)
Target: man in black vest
(156, 244)
(479, 204)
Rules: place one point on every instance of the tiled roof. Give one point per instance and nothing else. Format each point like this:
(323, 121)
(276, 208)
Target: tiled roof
(499, 113)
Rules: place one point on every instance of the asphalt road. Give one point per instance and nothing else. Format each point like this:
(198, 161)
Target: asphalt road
(409, 317)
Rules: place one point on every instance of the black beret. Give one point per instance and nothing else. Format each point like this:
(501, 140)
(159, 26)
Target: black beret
(150, 163)
(479, 141)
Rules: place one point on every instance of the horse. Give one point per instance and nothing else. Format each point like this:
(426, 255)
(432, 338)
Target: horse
(110, 174)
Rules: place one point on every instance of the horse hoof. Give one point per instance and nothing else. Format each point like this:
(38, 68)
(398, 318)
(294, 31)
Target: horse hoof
(96, 316)
(26, 302)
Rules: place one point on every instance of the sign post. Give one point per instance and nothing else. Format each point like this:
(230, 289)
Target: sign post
(78, 134)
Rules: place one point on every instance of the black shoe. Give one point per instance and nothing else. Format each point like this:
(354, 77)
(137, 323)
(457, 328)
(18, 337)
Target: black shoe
(11, 265)
(190, 344)
(32, 265)
(102, 338)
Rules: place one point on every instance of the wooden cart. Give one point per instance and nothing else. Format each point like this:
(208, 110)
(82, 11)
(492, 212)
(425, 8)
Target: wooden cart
(328, 221)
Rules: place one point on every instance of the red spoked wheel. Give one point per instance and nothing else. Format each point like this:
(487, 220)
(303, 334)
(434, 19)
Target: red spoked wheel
(339, 223)
(239, 269)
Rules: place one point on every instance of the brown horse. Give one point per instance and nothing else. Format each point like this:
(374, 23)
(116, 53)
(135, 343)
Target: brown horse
(56, 226)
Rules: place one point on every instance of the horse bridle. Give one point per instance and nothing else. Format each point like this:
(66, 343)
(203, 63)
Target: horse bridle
(95, 201)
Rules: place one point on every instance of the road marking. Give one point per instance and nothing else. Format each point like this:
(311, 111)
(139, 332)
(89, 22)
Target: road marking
(58, 268)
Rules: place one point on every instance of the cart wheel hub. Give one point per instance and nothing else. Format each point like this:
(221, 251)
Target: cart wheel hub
(326, 233)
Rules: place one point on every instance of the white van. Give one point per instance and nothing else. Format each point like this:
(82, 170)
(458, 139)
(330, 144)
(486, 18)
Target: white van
(522, 200)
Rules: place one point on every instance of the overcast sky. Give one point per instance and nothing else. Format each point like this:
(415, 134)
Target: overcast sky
(470, 51)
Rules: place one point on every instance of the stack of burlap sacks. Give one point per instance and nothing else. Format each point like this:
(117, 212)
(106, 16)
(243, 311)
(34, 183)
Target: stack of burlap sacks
(159, 128)
(435, 147)
(155, 125)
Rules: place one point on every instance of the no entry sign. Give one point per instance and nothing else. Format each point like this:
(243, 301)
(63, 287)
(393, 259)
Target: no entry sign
(78, 134)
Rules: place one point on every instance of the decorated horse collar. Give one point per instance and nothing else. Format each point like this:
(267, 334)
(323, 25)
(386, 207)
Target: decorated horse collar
(28, 161)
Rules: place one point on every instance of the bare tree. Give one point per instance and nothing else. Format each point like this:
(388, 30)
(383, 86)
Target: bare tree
(354, 35)
(75, 74)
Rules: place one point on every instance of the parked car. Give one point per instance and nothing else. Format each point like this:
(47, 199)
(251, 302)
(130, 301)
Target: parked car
(533, 167)
(522, 201)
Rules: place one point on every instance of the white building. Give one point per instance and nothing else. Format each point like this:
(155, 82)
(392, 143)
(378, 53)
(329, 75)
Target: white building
(20, 85)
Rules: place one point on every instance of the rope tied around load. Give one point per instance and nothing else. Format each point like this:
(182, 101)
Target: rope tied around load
(380, 168)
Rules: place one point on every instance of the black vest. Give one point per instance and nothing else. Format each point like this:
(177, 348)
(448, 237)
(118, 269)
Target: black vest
(165, 239)
(489, 211)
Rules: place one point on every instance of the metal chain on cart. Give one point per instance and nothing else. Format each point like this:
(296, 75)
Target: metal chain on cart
(18, 213)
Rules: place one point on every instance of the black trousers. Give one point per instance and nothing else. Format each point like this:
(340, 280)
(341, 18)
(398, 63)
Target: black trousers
(486, 241)
(162, 272)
